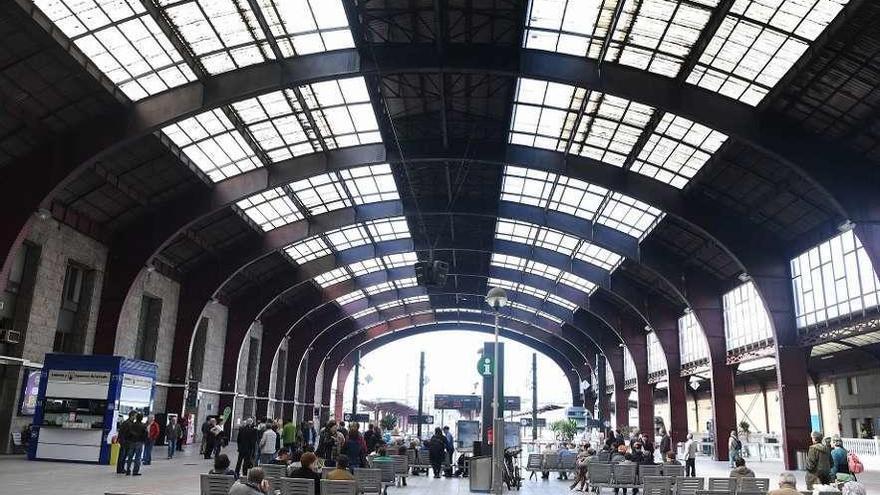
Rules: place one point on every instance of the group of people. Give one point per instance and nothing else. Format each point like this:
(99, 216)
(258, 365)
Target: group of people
(305, 451)
(828, 462)
(136, 439)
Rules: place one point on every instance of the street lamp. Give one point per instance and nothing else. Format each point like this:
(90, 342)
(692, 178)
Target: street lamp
(496, 298)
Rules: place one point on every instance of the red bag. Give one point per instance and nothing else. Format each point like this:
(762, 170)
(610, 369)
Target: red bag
(854, 464)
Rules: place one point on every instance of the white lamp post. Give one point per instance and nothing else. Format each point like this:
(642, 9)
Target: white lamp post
(496, 298)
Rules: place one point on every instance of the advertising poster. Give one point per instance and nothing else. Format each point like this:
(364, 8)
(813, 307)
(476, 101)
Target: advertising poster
(468, 432)
(29, 392)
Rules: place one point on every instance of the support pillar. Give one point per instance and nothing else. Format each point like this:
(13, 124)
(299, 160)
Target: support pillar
(621, 396)
(421, 393)
(709, 311)
(354, 396)
(534, 396)
(773, 282)
(601, 386)
(666, 330)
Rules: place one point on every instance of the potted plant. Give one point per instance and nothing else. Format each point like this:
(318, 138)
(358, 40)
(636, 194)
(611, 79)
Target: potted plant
(564, 429)
(744, 428)
(388, 422)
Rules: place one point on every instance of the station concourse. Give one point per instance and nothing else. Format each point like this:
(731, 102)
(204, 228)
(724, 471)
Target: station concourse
(215, 209)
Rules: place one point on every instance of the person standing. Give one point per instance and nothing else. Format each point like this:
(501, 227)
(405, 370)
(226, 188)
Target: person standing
(267, 444)
(219, 436)
(839, 458)
(368, 437)
(734, 447)
(248, 437)
(665, 444)
(690, 456)
(206, 427)
(309, 435)
(137, 437)
(818, 462)
(123, 438)
(353, 449)
(288, 436)
(172, 435)
(152, 436)
(450, 445)
(437, 450)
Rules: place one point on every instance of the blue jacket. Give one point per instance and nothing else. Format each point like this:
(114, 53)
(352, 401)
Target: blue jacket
(839, 461)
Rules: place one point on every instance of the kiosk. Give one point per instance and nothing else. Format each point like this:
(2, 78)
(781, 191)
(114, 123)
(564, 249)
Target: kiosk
(81, 399)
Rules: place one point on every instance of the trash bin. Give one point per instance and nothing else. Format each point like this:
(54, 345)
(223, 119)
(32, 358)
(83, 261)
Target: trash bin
(480, 472)
(801, 460)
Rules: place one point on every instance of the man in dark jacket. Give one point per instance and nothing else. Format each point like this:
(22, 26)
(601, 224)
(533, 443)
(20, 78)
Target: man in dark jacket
(665, 444)
(248, 436)
(137, 435)
(123, 436)
(437, 450)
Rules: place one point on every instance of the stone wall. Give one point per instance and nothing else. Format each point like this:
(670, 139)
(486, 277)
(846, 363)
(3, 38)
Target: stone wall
(153, 284)
(255, 331)
(60, 244)
(209, 398)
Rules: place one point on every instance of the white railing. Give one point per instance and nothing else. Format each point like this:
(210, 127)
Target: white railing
(863, 447)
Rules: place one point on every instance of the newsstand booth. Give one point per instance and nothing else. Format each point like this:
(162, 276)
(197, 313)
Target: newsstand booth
(82, 399)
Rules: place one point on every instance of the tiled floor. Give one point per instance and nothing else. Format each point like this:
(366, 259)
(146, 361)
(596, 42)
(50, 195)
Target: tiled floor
(180, 477)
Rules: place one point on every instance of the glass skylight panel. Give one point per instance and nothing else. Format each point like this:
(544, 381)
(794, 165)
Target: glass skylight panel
(579, 283)
(350, 297)
(406, 282)
(223, 34)
(544, 113)
(332, 277)
(657, 35)
(400, 259)
(691, 340)
(577, 197)
(274, 121)
(598, 256)
(524, 265)
(379, 288)
(389, 305)
(363, 313)
(330, 191)
(561, 301)
(321, 193)
(553, 318)
(342, 111)
(543, 189)
(370, 184)
(609, 128)
(745, 318)
(270, 209)
(834, 279)
(348, 237)
(534, 235)
(416, 299)
(389, 230)
(758, 42)
(301, 27)
(517, 287)
(308, 250)
(360, 268)
(677, 150)
(629, 216)
(211, 142)
(123, 42)
(574, 27)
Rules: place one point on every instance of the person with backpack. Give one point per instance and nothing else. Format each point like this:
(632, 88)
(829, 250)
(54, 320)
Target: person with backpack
(734, 447)
(818, 462)
(839, 458)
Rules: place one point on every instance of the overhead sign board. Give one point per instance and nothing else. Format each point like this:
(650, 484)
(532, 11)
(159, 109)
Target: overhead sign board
(512, 403)
(427, 419)
(359, 417)
(459, 402)
(527, 422)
